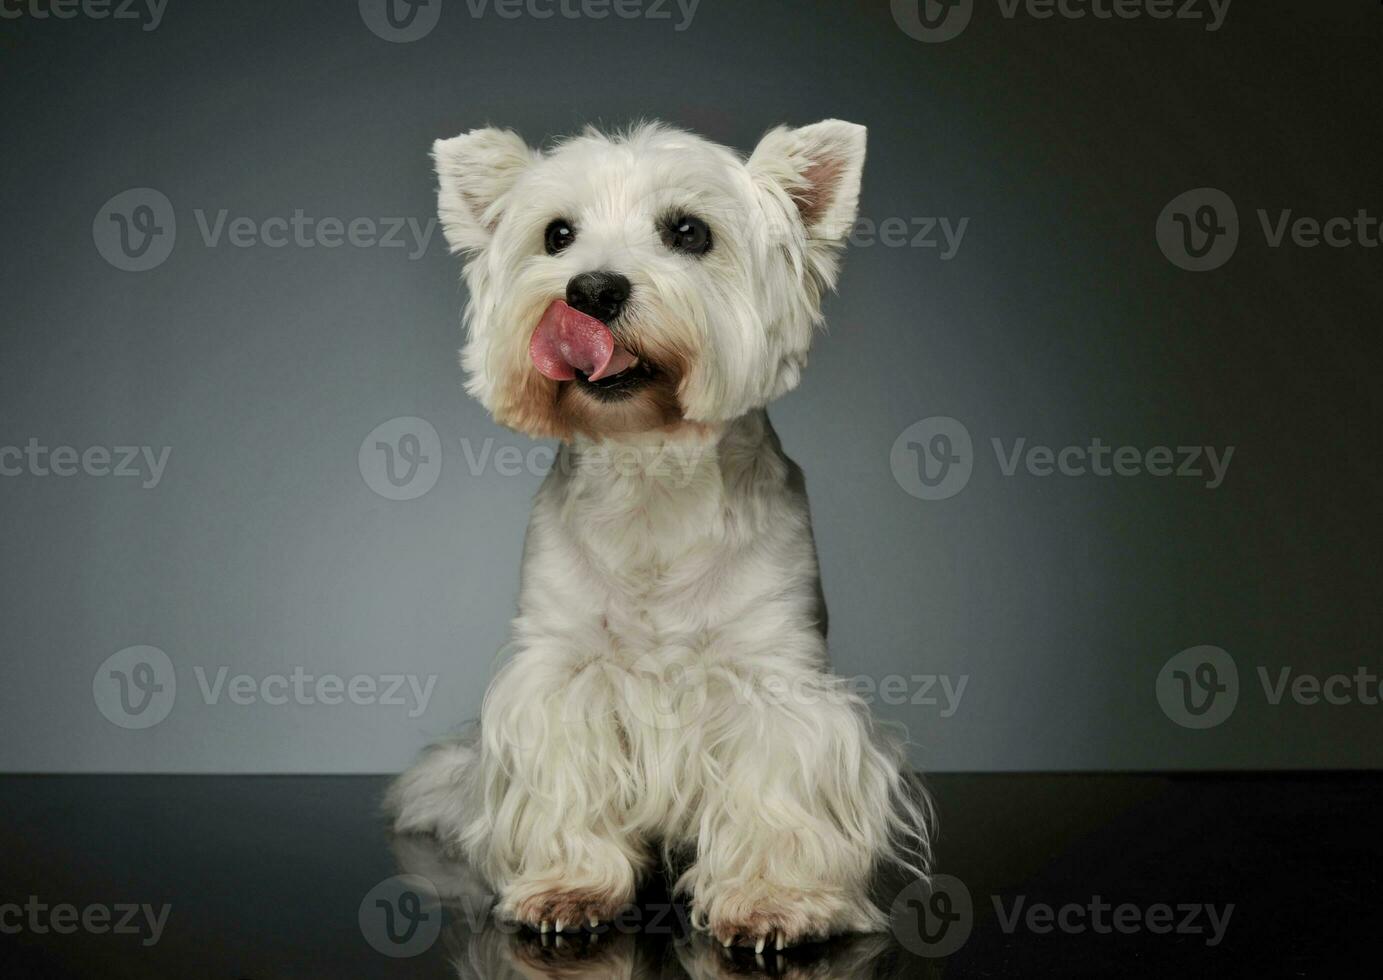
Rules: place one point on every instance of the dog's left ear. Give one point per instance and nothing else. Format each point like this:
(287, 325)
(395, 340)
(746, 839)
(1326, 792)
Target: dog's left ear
(474, 172)
(819, 167)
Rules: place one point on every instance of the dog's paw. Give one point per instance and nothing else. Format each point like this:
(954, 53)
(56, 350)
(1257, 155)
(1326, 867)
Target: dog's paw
(581, 957)
(763, 916)
(558, 909)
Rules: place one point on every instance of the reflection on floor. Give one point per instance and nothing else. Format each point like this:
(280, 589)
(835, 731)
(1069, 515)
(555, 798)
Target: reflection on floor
(652, 939)
(1038, 875)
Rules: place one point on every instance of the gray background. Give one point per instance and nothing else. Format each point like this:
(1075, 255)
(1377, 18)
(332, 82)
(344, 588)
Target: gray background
(1059, 320)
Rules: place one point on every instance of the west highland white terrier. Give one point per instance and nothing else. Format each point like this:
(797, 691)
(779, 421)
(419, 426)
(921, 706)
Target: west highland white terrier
(641, 297)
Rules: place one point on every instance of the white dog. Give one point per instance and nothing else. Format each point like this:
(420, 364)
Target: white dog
(642, 297)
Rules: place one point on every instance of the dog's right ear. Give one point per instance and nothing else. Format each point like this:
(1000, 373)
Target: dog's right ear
(474, 172)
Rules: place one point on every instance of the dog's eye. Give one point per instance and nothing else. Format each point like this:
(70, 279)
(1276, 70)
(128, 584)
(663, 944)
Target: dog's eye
(687, 234)
(558, 236)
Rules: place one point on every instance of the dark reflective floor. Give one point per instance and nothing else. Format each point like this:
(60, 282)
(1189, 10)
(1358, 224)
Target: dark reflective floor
(263, 877)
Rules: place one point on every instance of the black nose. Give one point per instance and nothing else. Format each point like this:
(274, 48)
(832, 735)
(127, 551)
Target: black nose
(598, 294)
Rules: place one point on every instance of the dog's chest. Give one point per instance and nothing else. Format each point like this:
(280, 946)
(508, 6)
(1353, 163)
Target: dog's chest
(659, 550)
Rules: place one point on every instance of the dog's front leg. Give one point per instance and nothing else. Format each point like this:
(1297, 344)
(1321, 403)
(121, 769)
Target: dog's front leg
(554, 786)
(811, 799)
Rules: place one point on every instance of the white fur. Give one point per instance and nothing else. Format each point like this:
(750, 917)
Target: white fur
(670, 697)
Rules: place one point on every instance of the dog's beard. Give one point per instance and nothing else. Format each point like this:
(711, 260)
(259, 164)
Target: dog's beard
(644, 398)
(544, 408)
(592, 412)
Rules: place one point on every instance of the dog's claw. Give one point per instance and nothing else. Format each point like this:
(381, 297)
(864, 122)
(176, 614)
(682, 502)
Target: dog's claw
(727, 941)
(559, 926)
(544, 927)
(778, 943)
(595, 922)
(759, 946)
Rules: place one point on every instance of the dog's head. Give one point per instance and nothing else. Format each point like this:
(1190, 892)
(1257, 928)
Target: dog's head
(622, 284)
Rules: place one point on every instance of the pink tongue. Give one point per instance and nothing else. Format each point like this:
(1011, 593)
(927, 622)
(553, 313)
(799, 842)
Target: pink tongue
(568, 341)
